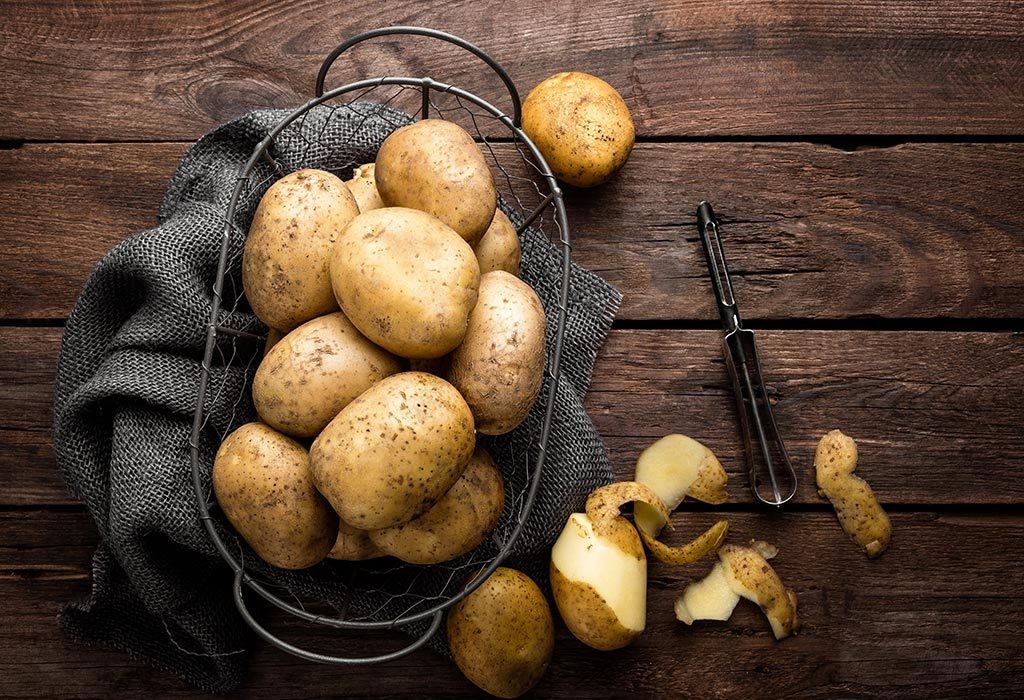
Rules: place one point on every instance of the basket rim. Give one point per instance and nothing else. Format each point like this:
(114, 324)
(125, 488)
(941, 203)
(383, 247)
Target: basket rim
(214, 331)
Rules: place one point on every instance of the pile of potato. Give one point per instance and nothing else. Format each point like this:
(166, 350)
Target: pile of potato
(400, 331)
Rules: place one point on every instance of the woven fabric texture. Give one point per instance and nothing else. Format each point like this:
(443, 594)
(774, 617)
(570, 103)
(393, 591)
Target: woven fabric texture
(127, 389)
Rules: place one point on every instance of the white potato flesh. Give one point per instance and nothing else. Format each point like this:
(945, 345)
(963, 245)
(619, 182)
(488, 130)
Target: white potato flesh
(669, 467)
(617, 576)
(711, 598)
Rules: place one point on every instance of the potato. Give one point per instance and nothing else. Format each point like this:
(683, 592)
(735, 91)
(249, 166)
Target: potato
(285, 266)
(434, 166)
(363, 186)
(741, 572)
(499, 247)
(393, 452)
(600, 582)
(499, 368)
(581, 126)
(677, 466)
(856, 506)
(314, 372)
(456, 524)
(406, 281)
(353, 544)
(502, 634)
(273, 338)
(263, 484)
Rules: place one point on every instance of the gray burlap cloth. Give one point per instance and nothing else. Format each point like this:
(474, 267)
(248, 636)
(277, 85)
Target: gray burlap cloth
(127, 389)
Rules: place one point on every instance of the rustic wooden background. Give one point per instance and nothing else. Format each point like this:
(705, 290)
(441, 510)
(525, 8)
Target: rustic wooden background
(867, 159)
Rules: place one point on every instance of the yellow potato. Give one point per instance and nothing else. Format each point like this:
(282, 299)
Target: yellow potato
(263, 484)
(499, 247)
(353, 544)
(456, 524)
(406, 281)
(581, 126)
(502, 634)
(285, 266)
(314, 372)
(363, 186)
(499, 368)
(434, 166)
(393, 452)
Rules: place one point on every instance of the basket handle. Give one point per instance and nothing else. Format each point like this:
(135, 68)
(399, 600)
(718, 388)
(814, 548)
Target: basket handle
(435, 624)
(517, 106)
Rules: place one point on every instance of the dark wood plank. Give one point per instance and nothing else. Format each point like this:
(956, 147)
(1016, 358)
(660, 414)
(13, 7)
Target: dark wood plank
(927, 619)
(919, 231)
(937, 415)
(130, 71)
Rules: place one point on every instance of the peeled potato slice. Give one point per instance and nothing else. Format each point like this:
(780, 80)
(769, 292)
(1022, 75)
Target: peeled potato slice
(674, 467)
(741, 572)
(856, 506)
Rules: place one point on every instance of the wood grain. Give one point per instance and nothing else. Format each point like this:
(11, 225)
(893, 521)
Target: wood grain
(936, 415)
(139, 71)
(919, 231)
(924, 620)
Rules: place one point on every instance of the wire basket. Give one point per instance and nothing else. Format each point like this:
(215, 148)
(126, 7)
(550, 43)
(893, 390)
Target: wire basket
(376, 594)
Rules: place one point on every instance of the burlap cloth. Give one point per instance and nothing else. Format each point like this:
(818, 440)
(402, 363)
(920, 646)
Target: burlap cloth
(126, 392)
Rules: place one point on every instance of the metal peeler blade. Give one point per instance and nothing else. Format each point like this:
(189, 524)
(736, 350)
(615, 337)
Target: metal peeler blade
(772, 477)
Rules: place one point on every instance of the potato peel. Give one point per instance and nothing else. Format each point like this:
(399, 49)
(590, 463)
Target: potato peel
(855, 503)
(603, 507)
(710, 485)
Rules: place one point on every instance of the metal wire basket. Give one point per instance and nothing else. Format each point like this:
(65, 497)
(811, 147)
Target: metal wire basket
(378, 594)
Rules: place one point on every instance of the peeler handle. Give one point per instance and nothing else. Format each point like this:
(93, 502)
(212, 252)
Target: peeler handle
(772, 477)
(725, 300)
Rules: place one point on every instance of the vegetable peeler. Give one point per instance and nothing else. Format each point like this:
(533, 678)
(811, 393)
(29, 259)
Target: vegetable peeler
(752, 404)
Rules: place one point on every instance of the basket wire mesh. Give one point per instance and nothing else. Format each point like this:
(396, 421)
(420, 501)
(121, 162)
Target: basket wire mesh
(377, 594)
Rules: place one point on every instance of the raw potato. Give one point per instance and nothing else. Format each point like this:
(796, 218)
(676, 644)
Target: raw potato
(456, 524)
(856, 505)
(502, 634)
(599, 582)
(581, 126)
(406, 281)
(394, 451)
(499, 247)
(353, 544)
(674, 467)
(314, 372)
(363, 186)
(285, 267)
(603, 506)
(263, 484)
(435, 166)
(273, 338)
(499, 367)
(741, 572)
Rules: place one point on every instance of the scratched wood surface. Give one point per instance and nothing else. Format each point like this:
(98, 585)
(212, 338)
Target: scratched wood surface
(867, 160)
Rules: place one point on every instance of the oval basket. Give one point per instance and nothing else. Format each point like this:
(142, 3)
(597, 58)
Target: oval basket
(381, 594)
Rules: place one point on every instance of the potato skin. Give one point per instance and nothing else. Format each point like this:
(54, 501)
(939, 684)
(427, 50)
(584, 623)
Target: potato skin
(314, 372)
(499, 247)
(435, 166)
(393, 452)
(353, 545)
(456, 524)
(285, 267)
(406, 281)
(263, 484)
(581, 126)
(499, 368)
(502, 634)
(587, 615)
(363, 186)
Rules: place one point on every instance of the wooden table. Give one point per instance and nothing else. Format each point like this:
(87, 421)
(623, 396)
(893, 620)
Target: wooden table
(867, 161)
